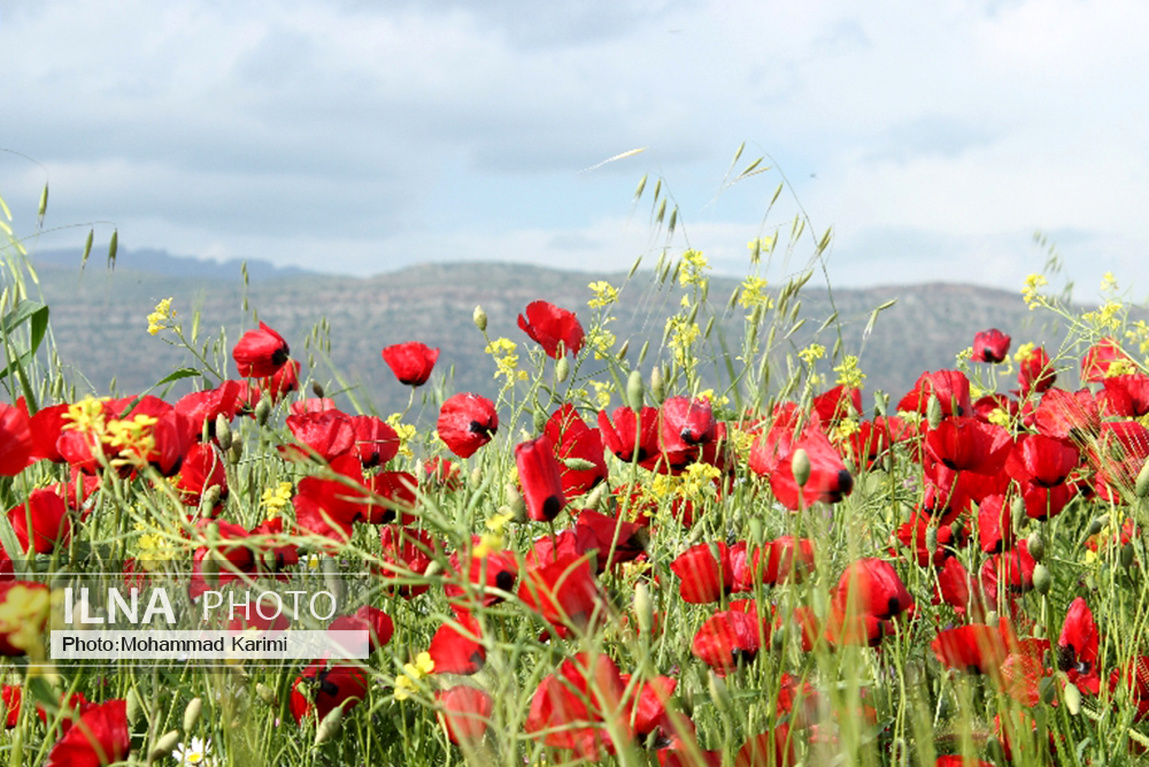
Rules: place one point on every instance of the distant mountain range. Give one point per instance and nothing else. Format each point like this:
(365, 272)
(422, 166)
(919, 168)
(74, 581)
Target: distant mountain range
(337, 326)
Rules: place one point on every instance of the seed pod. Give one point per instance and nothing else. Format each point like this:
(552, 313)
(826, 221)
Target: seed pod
(634, 391)
(934, 412)
(1046, 689)
(223, 432)
(540, 419)
(479, 317)
(263, 410)
(191, 714)
(643, 608)
(596, 497)
(330, 726)
(1017, 512)
(1042, 580)
(1072, 697)
(1036, 545)
(135, 706)
(562, 369)
(622, 350)
(1127, 553)
(236, 451)
(657, 385)
(1141, 487)
(209, 499)
(800, 465)
(719, 693)
(578, 464)
(1097, 525)
(163, 746)
(265, 693)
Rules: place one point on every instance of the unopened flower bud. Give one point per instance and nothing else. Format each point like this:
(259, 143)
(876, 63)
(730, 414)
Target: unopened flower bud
(657, 386)
(719, 692)
(800, 465)
(934, 412)
(634, 391)
(162, 748)
(1072, 697)
(479, 317)
(191, 714)
(1035, 544)
(1042, 580)
(330, 726)
(643, 608)
(263, 410)
(562, 369)
(317, 389)
(223, 431)
(578, 464)
(1127, 553)
(209, 499)
(516, 503)
(1141, 487)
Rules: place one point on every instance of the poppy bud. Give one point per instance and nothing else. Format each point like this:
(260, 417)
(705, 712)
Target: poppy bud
(800, 466)
(643, 608)
(1097, 525)
(515, 503)
(1072, 697)
(634, 393)
(209, 499)
(540, 419)
(562, 369)
(223, 431)
(1041, 579)
(191, 714)
(236, 451)
(163, 747)
(263, 410)
(1036, 544)
(479, 317)
(1017, 513)
(330, 726)
(1127, 553)
(934, 412)
(317, 389)
(657, 386)
(134, 706)
(719, 692)
(1141, 487)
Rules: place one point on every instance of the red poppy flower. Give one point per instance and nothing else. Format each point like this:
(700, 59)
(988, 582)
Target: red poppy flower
(564, 593)
(686, 424)
(776, 748)
(1136, 674)
(837, 403)
(1013, 569)
(569, 709)
(201, 408)
(1118, 455)
(458, 650)
(615, 539)
(328, 687)
(281, 383)
(951, 387)
(260, 353)
(1126, 396)
(726, 639)
(704, 576)
(631, 436)
(100, 737)
(329, 507)
(202, 467)
(329, 433)
(411, 362)
(442, 473)
(872, 586)
(1067, 415)
(550, 326)
(375, 622)
(491, 570)
(914, 537)
(775, 563)
(829, 480)
(975, 647)
(45, 426)
(10, 696)
(46, 516)
(572, 438)
(406, 555)
(1035, 373)
(540, 476)
(990, 346)
(376, 442)
(240, 551)
(967, 444)
(1077, 647)
(16, 442)
(1097, 359)
(957, 589)
(465, 712)
(466, 423)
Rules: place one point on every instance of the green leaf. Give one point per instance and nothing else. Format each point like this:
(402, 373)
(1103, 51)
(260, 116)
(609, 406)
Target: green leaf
(176, 375)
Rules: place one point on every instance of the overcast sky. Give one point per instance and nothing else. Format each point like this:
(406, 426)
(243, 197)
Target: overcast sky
(359, 137)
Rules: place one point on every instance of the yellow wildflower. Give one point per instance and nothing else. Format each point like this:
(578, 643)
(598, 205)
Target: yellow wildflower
(753, 293)
(405, 431)
(605, 294)
(23, 614)
(602, 390)
(502, 350)
(812, 352)
(849, 374)
(691, 271)
(1024, 352)
(999, 416)
(1029, 291)
(405, 683)
(1108, 283)
(161, 316)
(275, 499)
(601, 340)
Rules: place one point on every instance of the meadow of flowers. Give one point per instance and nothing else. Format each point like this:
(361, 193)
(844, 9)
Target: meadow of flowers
(709, 551)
